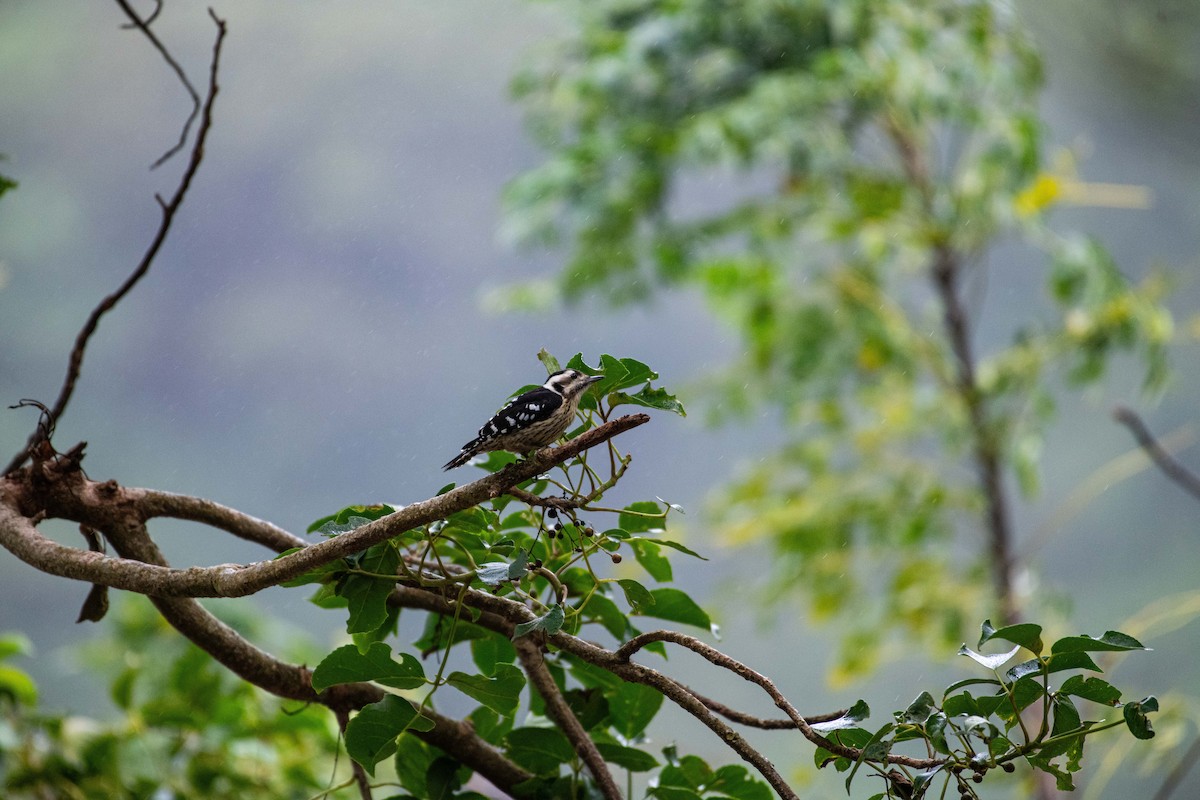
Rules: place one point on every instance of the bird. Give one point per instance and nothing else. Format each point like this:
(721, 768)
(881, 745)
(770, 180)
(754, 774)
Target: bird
(531, 420)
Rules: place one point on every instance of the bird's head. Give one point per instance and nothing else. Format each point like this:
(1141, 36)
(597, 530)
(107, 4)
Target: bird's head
(570, 383)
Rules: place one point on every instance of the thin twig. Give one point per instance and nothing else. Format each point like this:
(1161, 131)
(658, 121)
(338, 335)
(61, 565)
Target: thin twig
(751, 721)
(1177, 472)
(356, 769)
(168, 210)
(143, 25)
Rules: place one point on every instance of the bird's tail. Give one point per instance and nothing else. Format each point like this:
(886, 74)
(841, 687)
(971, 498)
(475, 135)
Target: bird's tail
(468, 452)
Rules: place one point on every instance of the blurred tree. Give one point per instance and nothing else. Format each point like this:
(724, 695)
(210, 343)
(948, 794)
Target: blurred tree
(507, 572)
(876, 150)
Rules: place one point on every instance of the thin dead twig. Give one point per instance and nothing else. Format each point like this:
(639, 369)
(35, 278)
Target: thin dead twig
(168, 210)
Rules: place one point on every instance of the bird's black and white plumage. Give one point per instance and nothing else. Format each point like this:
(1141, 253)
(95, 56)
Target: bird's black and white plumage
(531, 420)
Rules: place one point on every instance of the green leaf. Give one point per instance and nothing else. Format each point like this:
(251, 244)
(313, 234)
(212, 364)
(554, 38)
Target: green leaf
(935, 729)
(1054, 663)
(605, 611)
(635, 522)
(676, 606)
(390, 623)
(1135, 717)
(673, 545)
(990, 661)
(490, 726)
(550, 622)
(1025, 634)
(371, 733)
(615, 375)
(348, 665)
(540, 750)
(440, 632)
(631, 707)
(960, 704)
(495, 573)
(550, 362)
(649, 397)
(734, 780)
(876, 748)
(636, 594)
(501, 693)
(366, 596)
(629, 758)
(854, 715)
(652, 560)
(1066, 716)
(443, 778)
(690, 772)
(918, 710)
(1092, 688)
(488, 651)
(673, 793)
(1111, 641)
(413, 758)
(18, 685)
(349, 518)
(14, 644)
(637, 372)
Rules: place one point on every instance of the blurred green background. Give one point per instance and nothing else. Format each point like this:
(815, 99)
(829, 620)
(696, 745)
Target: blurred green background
(313, 333)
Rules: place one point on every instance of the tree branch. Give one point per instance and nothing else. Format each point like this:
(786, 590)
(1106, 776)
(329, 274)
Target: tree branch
(143, 25)
(1177, 472)
(293, 682)
(945, 272)
(103, 504)
(168, 210)
(529, 651)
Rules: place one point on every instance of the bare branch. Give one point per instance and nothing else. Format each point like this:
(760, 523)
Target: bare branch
(153, 504)
(1177, 472)
(75, 363)
(143, 25)
(102, 505)
(716, 657)
(751, 721)
(530, 653)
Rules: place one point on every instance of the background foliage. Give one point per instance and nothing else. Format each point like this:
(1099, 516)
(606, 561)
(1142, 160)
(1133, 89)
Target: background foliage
(194, 325)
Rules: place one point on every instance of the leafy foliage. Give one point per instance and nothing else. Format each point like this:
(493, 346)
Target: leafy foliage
(190, 729)
(195, 730)
(869, 153)
(544, 551)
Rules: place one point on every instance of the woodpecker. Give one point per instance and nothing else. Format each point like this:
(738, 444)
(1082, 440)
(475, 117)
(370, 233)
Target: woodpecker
(531, 420)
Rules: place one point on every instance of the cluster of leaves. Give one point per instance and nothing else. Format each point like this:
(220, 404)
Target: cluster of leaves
(193, 730)
(1020, 716)
(552, 558)
(189, 729)
(862, 147)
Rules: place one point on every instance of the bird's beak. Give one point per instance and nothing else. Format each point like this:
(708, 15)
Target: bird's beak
(594, 378)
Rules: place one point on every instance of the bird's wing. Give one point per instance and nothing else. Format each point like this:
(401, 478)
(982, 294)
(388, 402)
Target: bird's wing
(532, 406)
